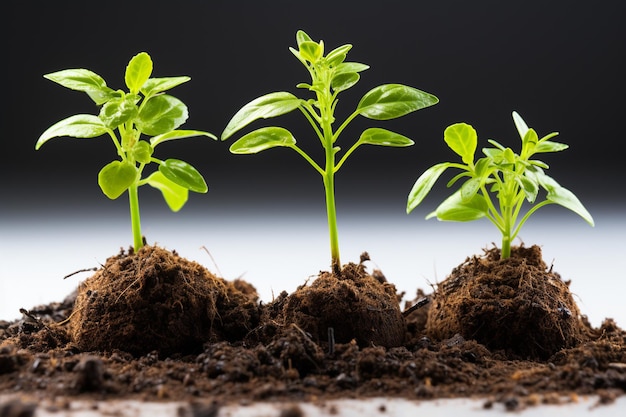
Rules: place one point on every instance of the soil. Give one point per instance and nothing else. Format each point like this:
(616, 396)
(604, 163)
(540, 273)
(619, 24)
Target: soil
(151, 325)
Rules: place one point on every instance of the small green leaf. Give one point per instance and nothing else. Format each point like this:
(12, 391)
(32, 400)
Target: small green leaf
(119, 110)
(520, 124)
(301, 36)
(116, 177)
(85, 81)
(262, 139)
(138, 71)
(455, 209)
(348, 67)
(343, 81)
(269, 105)
(530, 187)
(179, 134)
(337, 55)
(158, 85)
(161, 114)
(549, 146)
(424, 184)
(78, 126)
(383, 137)
(174, 195)
(311, 51)
(463, 140)
(469, 188)
(142, 151)
(183, 174)
(390, 101)
(563, 197)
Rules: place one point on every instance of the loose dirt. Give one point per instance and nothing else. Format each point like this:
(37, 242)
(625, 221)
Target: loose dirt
(153, 326)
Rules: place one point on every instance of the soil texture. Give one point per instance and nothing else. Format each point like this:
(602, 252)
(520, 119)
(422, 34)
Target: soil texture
(152, 325)
(515, 304)
(154, 300)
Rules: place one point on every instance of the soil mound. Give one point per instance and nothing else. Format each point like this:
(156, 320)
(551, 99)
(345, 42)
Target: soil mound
(155, 300)
(353, 305)
(516, 304)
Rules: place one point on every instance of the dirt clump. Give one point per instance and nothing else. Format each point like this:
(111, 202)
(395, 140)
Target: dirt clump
(154, 300)
(516, 304)
(352, 305)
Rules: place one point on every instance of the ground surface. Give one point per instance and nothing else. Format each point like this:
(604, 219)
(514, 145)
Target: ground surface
(279, 360)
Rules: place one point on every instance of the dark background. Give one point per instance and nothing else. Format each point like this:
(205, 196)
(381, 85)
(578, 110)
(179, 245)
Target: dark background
(560, 64)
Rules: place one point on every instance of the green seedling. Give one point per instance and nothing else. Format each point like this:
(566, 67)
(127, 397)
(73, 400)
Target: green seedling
(143, 110)
(330, 75)
(497, 185)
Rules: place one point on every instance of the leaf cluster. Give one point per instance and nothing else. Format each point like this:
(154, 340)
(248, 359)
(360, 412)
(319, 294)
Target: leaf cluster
(125, 116)
(497, 185)
(330, 75)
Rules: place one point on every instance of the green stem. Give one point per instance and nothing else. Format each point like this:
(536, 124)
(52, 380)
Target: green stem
(329, 185)
(135, 220)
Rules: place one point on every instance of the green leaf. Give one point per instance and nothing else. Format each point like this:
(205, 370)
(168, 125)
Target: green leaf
(469, 188)
(348, 67)
(138, 71)
(301, 36)
(455, 209)
(343, 81)
(142, 151)
(424, 184)
(183, 174)
(337, 55)
(158, 85)
(118, 111)
(530, 187)
(78, 126)
(174, 195)
(549, 146)
(116, 177)
(529, 142)
(262, 139)
(85, 81)
(179, 134)
(383, 137)
(269, 105)
(520, 124)
(390, 101)
(161, 114)
(463, 140)
(311, 51)
(563, 197)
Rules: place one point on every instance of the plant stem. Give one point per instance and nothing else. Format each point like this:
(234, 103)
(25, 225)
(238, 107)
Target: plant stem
(135, 220)
(329, 185)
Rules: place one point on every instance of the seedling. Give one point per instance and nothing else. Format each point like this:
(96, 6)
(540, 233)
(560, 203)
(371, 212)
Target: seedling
(498, 184)
(330, 75)
(144, 109)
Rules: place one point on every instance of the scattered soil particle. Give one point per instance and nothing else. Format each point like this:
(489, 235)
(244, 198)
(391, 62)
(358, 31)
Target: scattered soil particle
(515, 304)
(224, 345)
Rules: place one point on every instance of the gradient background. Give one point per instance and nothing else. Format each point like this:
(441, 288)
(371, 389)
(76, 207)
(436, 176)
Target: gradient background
(560, 64)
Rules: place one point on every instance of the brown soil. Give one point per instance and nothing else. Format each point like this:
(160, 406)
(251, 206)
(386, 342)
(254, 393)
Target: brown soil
(154, 300)
(516, 304)
(353, 305)
(234, 349)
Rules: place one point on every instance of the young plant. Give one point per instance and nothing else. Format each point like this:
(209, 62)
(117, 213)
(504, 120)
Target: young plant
(498, 184)
(143, 110)
(330, 75)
